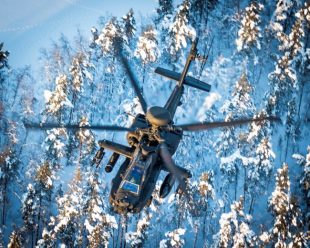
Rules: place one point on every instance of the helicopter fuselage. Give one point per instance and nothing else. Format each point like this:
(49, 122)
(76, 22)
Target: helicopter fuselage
(135, 181)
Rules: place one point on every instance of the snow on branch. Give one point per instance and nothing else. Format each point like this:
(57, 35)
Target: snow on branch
(147, 49)
(57, 99)
(249, 33)
(180, 29)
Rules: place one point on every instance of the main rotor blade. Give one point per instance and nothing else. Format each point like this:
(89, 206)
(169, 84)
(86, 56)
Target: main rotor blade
(170, 165)
(46, 126)
(210, 125)
(134, 82)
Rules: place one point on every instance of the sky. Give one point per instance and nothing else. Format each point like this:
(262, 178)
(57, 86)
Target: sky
(27, 26)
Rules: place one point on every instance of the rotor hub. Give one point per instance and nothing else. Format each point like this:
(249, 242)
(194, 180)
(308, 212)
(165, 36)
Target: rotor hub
(158, 116)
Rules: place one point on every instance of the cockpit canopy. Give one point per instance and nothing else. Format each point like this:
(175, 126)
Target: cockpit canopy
(133, 179)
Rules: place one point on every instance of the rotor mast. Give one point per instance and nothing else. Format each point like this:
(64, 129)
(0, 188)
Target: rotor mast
(175, 98)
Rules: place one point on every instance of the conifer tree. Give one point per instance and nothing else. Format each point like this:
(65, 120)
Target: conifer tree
(180, 30)
(138, 238)
(43, 187)
(4, 66)
(147, 49)
(8, 174)
(15, 240)
(164, 10)
(286, 229)
(29, 213)
(3, 57)
(232, 146)
(46, 240)
(284, 78)
(84, 141)
(57, 100)
(67, 225)
(129, 25)
(98, 223)
(235, 228)
(249, 32)
(199, 13)
(110, 39)
(173, 239)
(55, 146)
(305, 182)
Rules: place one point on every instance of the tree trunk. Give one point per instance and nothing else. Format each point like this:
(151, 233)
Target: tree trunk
(4, 193)
(251, 205)
(39, 219)
(245, 186)
(196, 235)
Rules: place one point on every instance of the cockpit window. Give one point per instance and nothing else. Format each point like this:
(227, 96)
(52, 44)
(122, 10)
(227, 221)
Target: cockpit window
(135, 175)
(133, 180)
(131, 187)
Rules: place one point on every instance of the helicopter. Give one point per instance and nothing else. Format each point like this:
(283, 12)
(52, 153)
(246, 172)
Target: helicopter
(152, 138)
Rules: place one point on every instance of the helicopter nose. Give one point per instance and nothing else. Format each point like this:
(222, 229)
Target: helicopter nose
(122, 204)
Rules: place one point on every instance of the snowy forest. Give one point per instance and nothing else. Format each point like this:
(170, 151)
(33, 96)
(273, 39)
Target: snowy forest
(249, 185)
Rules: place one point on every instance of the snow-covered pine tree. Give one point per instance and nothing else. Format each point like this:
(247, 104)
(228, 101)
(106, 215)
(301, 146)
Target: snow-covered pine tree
(173, 239)
(57, 100)
(29, 213)
(147, 49)
(4, 66)
(68, 224)
(283, 8)
(98, 223)
(77, 73)
(15, 240)
(259, 140)
(232, 146)
(56, 60)
(249, 32)
(46, 241)
(199, 13)
(235, 230)
(8, 174)
(291, 129)
(180, 30)
(3, 57)
(284, 78)
(202, 192)
(129, 25)
(264, 158)
(139, 237)
(43, 187)
(85, 142)
(80, 86)
(55, 146)
(286, 230)
(305, 182)
(164, 10)
(110, 38)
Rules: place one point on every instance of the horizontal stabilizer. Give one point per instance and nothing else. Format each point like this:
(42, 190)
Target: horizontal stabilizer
(190, 81)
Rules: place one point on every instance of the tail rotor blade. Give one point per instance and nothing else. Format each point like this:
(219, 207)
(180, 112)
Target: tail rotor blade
(192, 127)
(134, 82)
(47, 126)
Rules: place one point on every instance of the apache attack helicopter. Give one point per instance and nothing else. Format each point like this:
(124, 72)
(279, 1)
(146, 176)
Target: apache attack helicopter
(153, 138)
